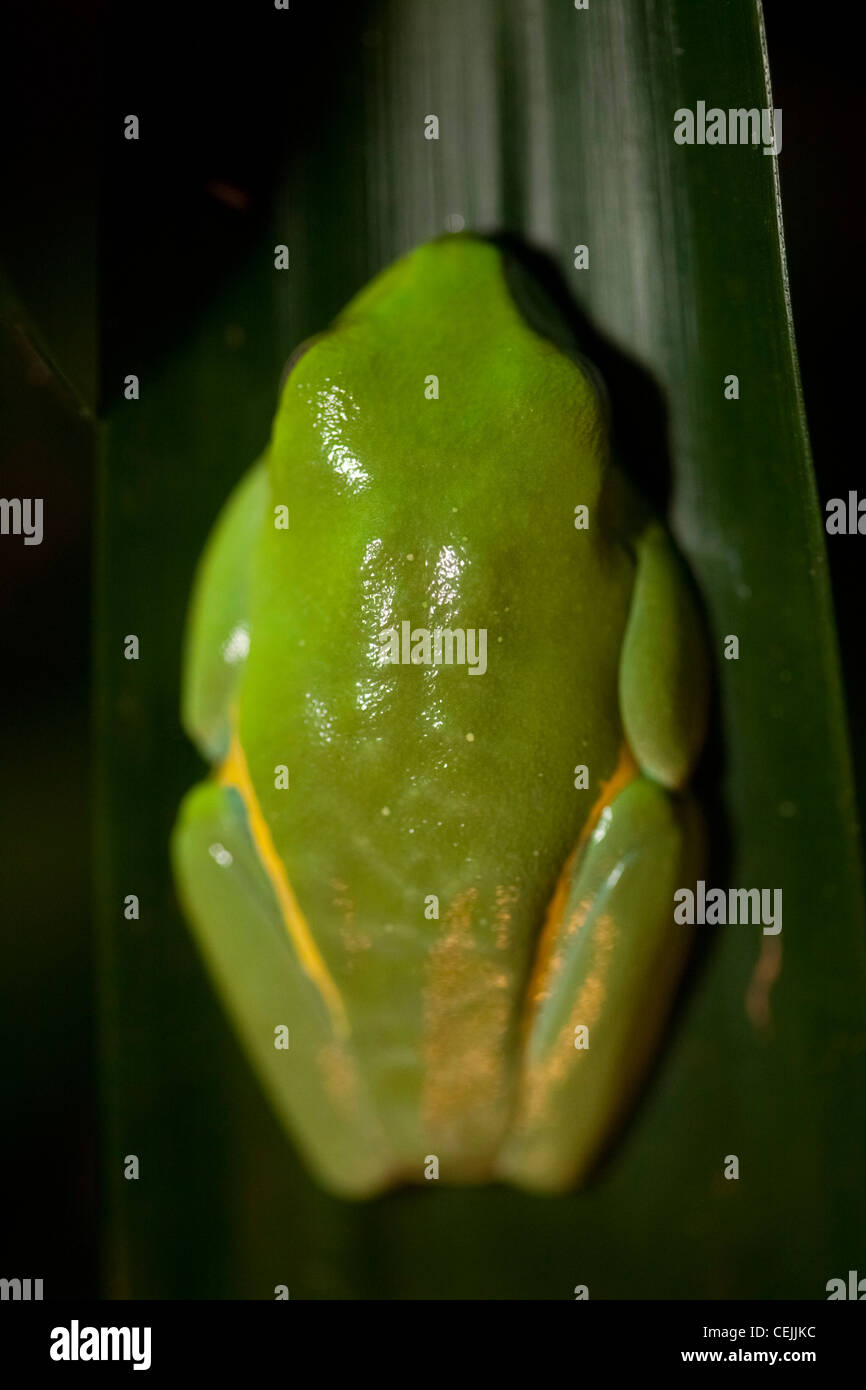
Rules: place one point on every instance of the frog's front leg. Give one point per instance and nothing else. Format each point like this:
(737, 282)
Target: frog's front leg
(218, 631)
(611, 954)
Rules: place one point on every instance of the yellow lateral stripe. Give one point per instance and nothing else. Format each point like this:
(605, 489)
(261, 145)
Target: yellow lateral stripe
(235, 773)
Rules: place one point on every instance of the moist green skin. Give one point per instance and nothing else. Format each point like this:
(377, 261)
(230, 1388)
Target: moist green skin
(414, 781)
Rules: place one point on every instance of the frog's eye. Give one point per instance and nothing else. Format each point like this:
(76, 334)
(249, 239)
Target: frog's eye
(295, 358)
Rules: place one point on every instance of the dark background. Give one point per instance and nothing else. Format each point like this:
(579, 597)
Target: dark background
(219, 84)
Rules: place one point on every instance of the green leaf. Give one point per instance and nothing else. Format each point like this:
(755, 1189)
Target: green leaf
(556, 127)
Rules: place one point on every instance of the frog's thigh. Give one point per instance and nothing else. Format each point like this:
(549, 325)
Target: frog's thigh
(315, 1084)
(663, 677)
(595, 1014)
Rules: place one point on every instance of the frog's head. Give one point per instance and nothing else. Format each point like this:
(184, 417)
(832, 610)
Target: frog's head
(446, 358)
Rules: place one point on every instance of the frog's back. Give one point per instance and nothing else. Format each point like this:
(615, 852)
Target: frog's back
(432, 451)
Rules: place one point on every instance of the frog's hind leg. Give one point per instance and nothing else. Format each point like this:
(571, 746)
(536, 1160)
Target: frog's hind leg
(595, 1012)
(312, 1075)
(611, 953)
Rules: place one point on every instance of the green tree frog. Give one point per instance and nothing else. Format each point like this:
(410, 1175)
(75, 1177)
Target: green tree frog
(452, 682)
